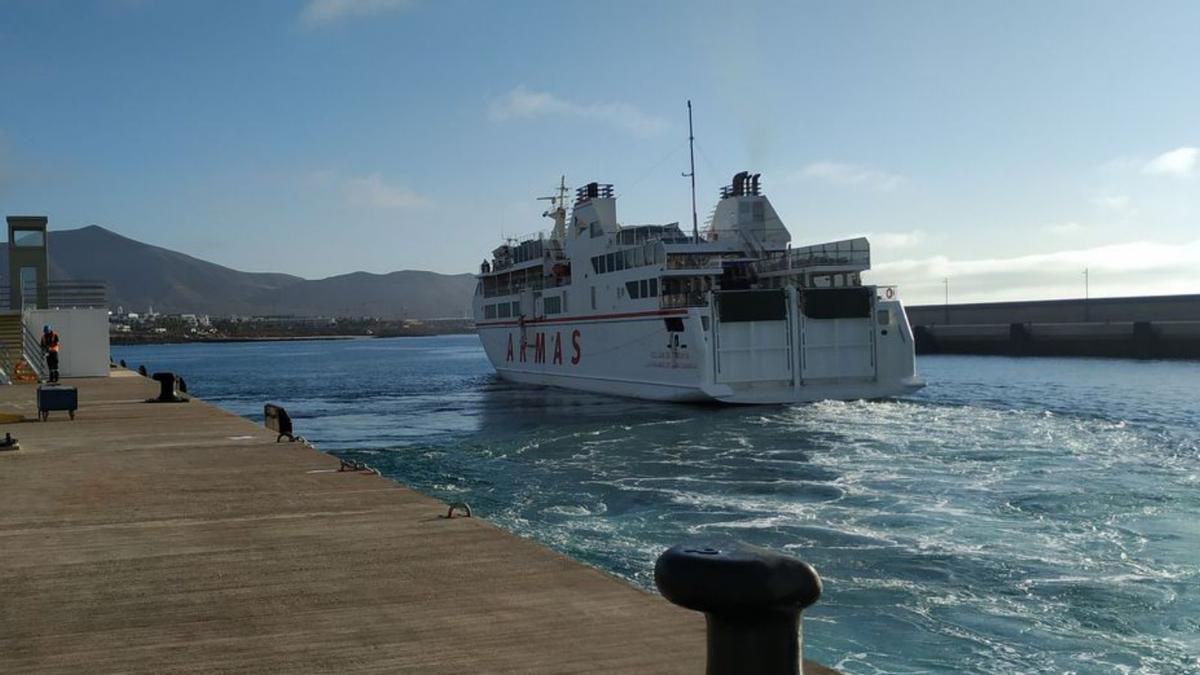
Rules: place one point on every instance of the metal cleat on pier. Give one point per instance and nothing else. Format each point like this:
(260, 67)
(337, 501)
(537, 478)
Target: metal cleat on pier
(168, 390)
(277, 419)
(751, 598)
(356, 466)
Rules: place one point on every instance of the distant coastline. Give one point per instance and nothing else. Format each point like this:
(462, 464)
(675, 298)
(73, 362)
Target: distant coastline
(175, 340)
(129, 340)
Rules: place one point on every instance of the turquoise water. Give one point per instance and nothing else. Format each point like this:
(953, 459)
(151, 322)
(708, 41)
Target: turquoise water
(1017, 515)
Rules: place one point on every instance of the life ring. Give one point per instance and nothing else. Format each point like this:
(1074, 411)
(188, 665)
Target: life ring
(890, 293)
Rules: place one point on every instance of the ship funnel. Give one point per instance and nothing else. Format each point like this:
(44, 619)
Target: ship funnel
(744, 209)
(743, 184)
(739, 183)
(593, 191)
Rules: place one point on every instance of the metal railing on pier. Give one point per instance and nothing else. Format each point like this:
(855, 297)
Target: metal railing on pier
(6, 364)
(34, 356)
(27, 353)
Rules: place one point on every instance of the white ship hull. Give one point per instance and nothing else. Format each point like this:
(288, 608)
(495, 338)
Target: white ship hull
(634, 355)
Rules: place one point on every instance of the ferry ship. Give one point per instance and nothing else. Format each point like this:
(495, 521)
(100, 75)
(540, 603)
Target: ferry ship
(731, 313)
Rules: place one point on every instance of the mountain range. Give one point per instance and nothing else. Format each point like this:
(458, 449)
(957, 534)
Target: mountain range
(140, 275)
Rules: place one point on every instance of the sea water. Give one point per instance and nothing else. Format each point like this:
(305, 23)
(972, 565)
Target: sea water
(1017, 515)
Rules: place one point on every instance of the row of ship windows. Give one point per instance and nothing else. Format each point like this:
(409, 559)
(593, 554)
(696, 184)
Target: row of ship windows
(503, 310)
(551, 304)
(628, 258)
(644, 288)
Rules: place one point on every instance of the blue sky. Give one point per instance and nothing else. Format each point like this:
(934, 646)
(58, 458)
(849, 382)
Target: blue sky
(1004, 145)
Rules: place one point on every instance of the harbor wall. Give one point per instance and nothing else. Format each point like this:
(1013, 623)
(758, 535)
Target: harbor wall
(1135, 327)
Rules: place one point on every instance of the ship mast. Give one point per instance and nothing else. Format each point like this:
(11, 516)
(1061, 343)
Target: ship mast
(692, 174)
(559, 210)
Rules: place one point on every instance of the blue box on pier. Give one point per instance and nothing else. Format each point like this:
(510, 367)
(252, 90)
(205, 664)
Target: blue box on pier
(54, 397)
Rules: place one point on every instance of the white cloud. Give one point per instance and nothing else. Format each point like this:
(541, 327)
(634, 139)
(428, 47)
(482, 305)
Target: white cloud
(1123, 165)
(321, 12)
(838, 173)
(1064, 229)
(1118, 203)
(897, 239)
(1180, 163)
(1131, 268)
(522, 103)
(1134, 256)
(373, 192)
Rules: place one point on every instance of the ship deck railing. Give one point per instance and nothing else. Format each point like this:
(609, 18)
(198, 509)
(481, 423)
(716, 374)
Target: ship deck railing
(631, 235)
(849, 255)
(692, 261)
(513, 266)
(692, 272)
(682, 300)
(516, 289)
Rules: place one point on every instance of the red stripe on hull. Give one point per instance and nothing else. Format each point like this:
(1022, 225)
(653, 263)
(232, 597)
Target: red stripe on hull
(594, 317)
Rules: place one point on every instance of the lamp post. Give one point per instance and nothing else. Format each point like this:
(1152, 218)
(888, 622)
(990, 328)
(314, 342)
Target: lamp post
(1086, 295)
(946, 301)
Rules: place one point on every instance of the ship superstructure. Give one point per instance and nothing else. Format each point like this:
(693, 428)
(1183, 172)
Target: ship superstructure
(731, 313)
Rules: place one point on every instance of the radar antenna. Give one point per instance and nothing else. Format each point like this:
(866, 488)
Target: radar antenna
(559, 200)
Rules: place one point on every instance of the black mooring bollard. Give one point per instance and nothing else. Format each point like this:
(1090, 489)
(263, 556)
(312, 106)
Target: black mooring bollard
(142, 370)
(751, 598)
(167, 392)
(123, 364)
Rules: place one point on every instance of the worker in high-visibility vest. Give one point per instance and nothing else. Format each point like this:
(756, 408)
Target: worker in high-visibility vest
(50, 348)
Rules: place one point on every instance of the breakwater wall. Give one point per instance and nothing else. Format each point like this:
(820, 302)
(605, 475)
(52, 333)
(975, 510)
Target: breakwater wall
(1166, 326)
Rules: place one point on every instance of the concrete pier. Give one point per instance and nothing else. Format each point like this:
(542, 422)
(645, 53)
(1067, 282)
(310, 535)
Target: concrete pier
(149, 537)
